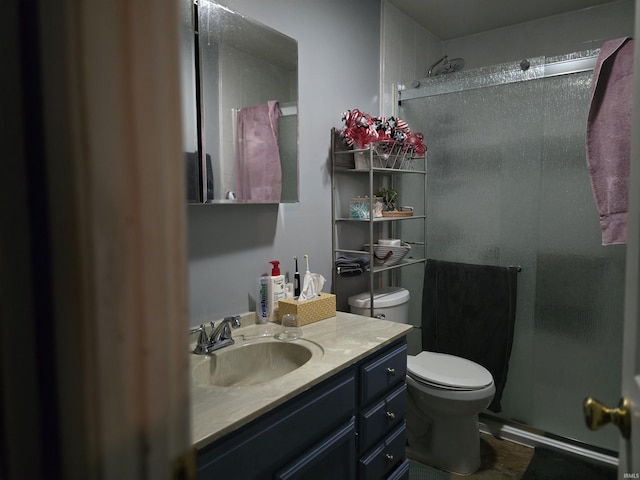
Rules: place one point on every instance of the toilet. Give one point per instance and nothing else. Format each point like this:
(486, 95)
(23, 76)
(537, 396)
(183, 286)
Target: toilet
(445, 394)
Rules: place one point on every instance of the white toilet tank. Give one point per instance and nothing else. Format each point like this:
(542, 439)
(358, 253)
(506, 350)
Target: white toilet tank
(389, 303)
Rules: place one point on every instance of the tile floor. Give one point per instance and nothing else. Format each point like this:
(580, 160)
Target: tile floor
(500, 460)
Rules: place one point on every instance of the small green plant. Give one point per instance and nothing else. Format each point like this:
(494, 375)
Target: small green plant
(389, 197)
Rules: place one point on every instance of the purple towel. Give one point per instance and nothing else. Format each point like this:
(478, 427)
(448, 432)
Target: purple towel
(609, 137)
(259, 172)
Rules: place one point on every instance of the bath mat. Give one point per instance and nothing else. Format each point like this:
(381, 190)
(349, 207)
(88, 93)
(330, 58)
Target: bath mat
(551, 464)
(418, 471)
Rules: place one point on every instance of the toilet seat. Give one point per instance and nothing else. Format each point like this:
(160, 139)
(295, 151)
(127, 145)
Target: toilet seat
(449, 372)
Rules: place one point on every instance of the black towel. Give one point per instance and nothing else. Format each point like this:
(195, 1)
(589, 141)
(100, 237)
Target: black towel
(469, 311)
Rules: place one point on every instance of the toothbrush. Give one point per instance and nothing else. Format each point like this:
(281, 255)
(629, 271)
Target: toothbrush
(296, 280)
(306, 257)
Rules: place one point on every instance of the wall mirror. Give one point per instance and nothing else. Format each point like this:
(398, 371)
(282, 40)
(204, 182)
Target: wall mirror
(240, 108)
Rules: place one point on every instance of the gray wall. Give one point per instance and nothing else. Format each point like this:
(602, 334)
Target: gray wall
(538, 373)
(556, 35)
(339, 68)
(408, 49)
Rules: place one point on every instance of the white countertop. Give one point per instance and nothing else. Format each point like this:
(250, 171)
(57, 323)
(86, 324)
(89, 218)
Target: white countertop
(345, 339)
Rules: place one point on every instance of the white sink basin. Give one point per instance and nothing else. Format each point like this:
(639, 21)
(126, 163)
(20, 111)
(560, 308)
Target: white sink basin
(254, 362)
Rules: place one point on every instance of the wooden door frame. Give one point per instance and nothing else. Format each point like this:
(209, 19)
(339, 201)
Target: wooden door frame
(630, 449)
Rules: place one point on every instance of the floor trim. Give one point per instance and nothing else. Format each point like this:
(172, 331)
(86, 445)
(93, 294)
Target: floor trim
(532, 439)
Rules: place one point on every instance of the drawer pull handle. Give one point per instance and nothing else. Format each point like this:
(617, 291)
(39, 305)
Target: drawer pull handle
(391, 415)
(391, 371)
(388, 456)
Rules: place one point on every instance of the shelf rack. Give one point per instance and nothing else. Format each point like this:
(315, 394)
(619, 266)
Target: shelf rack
(343, 164)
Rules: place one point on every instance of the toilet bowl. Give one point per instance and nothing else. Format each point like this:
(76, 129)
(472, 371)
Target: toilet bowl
(445, 394)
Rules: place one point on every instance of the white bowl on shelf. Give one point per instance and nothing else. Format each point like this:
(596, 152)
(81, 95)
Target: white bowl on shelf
(390, 242)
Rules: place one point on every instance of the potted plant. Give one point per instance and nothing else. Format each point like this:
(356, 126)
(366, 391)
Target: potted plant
(389, 197)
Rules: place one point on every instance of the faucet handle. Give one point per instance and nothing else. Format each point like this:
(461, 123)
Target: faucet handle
(202, 336)
(203, 341)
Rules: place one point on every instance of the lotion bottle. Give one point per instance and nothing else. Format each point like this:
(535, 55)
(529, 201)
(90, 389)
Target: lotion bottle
(276, 291)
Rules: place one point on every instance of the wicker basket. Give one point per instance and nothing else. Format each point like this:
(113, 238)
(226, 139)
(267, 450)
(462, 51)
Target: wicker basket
(401, 212)
(386, 255)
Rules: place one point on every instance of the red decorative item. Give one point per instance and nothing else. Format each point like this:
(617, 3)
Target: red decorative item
(361, 129)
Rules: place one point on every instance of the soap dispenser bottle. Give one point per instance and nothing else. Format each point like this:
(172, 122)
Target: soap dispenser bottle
(276, 291)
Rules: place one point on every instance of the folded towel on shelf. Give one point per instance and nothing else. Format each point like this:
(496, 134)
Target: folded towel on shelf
(609, 137)
(469, 311)
(351, 264)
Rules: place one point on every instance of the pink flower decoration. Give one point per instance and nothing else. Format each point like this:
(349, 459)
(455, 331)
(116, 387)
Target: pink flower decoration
(361, 129)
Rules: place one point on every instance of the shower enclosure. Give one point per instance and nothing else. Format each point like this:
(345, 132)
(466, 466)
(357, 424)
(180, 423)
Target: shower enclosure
(508, 185)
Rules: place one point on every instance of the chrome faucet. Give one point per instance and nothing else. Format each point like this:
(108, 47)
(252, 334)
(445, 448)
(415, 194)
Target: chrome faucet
(220, 336)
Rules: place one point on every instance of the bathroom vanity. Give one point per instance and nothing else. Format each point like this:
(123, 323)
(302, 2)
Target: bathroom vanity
(340, 415)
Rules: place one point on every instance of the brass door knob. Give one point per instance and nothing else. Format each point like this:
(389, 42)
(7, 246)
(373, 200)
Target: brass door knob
(597, 415)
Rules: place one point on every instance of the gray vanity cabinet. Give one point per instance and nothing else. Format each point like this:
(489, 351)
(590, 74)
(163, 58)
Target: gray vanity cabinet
(350, 426)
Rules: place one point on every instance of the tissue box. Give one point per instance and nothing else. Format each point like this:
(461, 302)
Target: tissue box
(310, 311)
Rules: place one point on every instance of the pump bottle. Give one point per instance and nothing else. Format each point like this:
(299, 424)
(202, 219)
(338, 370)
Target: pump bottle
(276, 291)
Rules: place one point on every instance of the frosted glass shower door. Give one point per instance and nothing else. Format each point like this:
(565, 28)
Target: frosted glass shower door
(508, 185)
(484, 150)
(579, 288)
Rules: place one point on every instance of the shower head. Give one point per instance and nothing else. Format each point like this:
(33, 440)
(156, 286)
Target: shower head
(444, 65)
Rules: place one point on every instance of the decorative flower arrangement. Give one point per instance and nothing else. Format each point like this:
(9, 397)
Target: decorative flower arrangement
(361, 129)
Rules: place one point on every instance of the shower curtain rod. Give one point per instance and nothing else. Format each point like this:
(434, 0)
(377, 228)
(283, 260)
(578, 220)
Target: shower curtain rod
(501, 74)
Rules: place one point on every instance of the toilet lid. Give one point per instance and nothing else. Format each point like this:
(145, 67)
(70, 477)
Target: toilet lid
(448, 371)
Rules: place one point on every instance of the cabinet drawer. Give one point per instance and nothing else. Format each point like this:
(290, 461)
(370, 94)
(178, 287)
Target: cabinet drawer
(283, 434)
(400, 473)
(331, 458)
(377, 421)
(386, 457)
(381, 374)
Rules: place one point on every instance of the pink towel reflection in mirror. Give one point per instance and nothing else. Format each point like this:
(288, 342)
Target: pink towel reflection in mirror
(259, 174)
